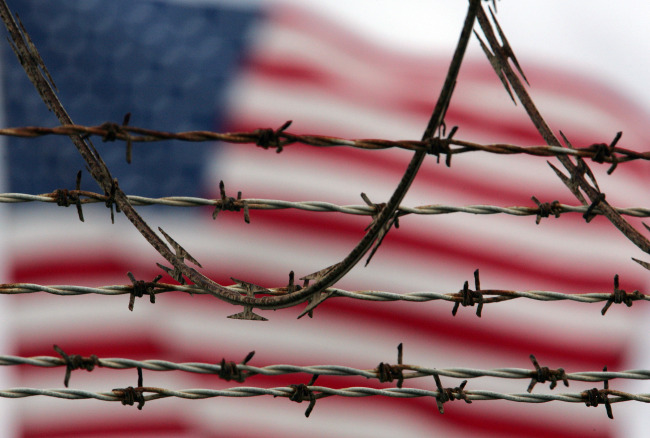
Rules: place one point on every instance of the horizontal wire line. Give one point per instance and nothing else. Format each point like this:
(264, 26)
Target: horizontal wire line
(315, 206)
(280, 138)
(320, 392)
(410, 371)
(489, 295)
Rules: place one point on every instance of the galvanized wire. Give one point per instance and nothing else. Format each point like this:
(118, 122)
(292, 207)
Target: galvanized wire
(409, 371)
(322, 391)
(280, 138)
(489, 295)
(316, 206)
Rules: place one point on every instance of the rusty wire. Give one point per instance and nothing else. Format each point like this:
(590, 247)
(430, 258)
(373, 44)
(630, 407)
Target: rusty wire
(413, 371)
(112, 131)
(319, 206)
(269, 138)
(385, 217)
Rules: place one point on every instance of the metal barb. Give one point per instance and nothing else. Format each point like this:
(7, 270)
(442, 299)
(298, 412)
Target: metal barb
(317, 298)
(438, 145)
(542, 374)
(268, 137)
(546, 209)
(129, 142)
(470, 297)
(496, 66)
(228, 370)
(251, 290)
(75, 362)
(64, 197)
(141, 287)
(131, 395)
(228, 203)
(603, 151)
(620, 296)
(113, 131)
(387, 372)
(302, 392)
(594, 397)
(449, 394)
(589, 215)
(642, 263)
(507, 50)
(110, 199)
(571, 183)
(384, 230)
(291, 287)
(181, 255)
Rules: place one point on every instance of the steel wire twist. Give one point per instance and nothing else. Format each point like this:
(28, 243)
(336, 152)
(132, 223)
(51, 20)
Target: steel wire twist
(498, 295)
(287, 391)
(316, 206)
(411, 371)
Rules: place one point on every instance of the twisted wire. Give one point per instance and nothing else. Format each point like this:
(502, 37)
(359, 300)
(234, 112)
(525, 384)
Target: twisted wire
(322, 391)
(489, 295)
(316, 206)
(411, 371)
(112, 131)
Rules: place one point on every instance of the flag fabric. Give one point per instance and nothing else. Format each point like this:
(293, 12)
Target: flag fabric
(228, 67)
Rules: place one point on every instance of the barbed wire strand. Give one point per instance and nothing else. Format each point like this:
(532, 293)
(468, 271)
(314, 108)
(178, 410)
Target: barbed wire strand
(112, 131)
(287, 391)
(498, 295)
(414, 371)
(384, 219)
(316, 206)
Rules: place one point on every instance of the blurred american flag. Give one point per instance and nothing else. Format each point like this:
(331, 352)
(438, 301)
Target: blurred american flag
(228, 67)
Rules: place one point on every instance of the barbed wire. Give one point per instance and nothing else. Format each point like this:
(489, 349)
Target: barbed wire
(316, 392)
(384, 372)
(465, 297)
(409, 371)
(277, 139)
(280, 138)
(554, 208)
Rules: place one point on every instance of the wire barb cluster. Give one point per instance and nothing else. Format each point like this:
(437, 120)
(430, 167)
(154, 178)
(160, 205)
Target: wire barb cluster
(75, 362)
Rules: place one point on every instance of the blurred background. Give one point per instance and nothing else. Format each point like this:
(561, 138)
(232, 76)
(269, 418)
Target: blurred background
(354, 69)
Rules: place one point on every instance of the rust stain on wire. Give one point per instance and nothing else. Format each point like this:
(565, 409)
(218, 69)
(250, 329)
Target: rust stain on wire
(75, 362)
(580, 180)
(597, 152)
